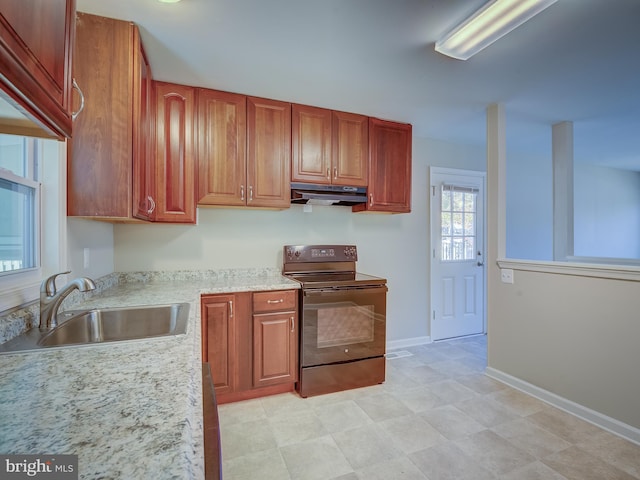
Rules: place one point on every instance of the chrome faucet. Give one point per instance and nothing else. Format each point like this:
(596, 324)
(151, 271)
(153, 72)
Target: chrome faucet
(51, 299)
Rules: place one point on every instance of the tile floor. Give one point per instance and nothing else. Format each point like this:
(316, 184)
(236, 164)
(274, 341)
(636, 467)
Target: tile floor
(437, 417)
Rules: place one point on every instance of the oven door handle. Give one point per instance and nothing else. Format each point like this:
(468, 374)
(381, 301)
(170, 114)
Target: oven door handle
(325, 292)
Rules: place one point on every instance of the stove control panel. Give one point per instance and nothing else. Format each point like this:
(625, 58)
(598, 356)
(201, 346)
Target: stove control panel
(320, 253)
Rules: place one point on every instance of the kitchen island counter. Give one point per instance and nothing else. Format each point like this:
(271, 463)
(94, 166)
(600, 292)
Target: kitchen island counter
(130, 409)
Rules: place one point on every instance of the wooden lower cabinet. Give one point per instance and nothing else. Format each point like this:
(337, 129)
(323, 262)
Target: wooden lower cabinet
(251, 342)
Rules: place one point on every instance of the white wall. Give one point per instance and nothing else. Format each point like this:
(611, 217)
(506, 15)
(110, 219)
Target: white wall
(98, 238)
(606, 212)
(391, 246)
(529, 207)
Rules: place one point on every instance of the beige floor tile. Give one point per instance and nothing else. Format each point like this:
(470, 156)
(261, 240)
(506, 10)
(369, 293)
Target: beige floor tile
(265, 465)
(296, 426)
(418, 399)
(454, 367)
(533, 471)
(381, 407)
(531, 438)
(450, 391)
(481, 384)
(494, 453)
(486, 411)
(285, 403)
(447, 462)
(397, 469)
(564, 425)
(451, 422)
(411, 433)
(317, 459)
(577, 464)
(425, 375)
(615, 450)
(519, 402)
(238, 412)
(342, 416)
(245, 438)
(365, 446)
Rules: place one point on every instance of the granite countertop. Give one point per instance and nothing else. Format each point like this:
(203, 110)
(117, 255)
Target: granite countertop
(128, 410)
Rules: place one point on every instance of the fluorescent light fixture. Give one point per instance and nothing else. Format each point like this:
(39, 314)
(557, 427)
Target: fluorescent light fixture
(491, 22)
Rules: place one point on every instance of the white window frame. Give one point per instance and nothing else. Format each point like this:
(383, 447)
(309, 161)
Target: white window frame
(23, 286)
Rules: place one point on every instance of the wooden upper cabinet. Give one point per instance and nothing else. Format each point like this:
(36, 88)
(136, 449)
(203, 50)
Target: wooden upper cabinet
(102, 150)
(350, 151)
(389, 188)
(329, 147)
(144, 187)
(268, 153)
(222, 170)
(175, 153)
(311, 144)
(36, 43)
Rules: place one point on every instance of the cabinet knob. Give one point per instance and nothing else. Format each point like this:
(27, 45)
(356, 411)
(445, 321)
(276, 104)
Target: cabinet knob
(280, 300)
(241, 192)
(76, 87)
(293, 323)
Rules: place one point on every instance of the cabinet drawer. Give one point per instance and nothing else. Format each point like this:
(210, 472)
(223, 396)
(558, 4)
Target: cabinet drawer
(275, 301)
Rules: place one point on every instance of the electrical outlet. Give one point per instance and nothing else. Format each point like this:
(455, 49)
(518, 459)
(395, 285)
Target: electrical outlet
(87, 258)
(506, 275)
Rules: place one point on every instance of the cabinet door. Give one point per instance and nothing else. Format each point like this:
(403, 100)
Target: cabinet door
(218, 339)
(311, 145)
(350, 157)
(222, 123)
(100, 155)
(268, 153)
(143, 139)
(175, 153)
(389, 186)
(35, 60)
(275, 348)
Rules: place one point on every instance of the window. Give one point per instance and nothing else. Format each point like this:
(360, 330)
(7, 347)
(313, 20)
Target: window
(458, 223)
(20, 198)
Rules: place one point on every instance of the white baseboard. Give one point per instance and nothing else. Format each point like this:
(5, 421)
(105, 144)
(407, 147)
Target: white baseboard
(603, 421)
(408, 342)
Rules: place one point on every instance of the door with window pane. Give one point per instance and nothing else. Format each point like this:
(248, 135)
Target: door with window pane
(457, 256)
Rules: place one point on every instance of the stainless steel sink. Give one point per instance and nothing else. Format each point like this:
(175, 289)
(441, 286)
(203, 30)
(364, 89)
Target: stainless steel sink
(106, 325)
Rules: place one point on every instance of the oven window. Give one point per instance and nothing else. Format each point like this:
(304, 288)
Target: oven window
(345, 324)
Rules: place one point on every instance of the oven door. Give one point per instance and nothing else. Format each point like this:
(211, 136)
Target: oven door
(342, 324)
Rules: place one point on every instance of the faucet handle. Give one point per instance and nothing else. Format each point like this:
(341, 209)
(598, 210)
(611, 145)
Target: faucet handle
(48, 286)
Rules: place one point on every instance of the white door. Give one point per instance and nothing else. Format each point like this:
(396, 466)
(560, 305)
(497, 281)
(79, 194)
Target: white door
(457, 253)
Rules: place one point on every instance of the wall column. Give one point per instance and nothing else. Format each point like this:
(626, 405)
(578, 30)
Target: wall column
(562, 140)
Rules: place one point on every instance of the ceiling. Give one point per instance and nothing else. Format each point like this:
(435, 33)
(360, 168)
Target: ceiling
(579, 61)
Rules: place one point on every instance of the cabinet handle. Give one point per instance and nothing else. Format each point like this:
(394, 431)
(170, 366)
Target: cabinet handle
(280, 300)
(371, 199)
(230, 308)
(242, 192)
(251, 193)
(328, 174)
(76, 87)
(152, 202)
(335, 173)
(293, 323)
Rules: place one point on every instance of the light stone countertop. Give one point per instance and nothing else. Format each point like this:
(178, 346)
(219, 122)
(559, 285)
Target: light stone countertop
(128, 410)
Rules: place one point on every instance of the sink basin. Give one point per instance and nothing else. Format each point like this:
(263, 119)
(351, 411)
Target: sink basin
(115, 324)
(102, 325)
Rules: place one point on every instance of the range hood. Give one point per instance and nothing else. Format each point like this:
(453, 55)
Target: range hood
(313, 194)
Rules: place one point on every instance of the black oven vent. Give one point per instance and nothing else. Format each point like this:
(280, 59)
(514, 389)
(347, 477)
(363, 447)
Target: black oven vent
(341, 195)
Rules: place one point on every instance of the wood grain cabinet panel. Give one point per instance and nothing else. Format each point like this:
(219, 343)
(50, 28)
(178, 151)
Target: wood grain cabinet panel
(101, 153)
(218, 339)
(36, 45)
(268, 153)
(275, 348)
(389, 188)
(329, 147)
(222, 133)
(175, 153)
